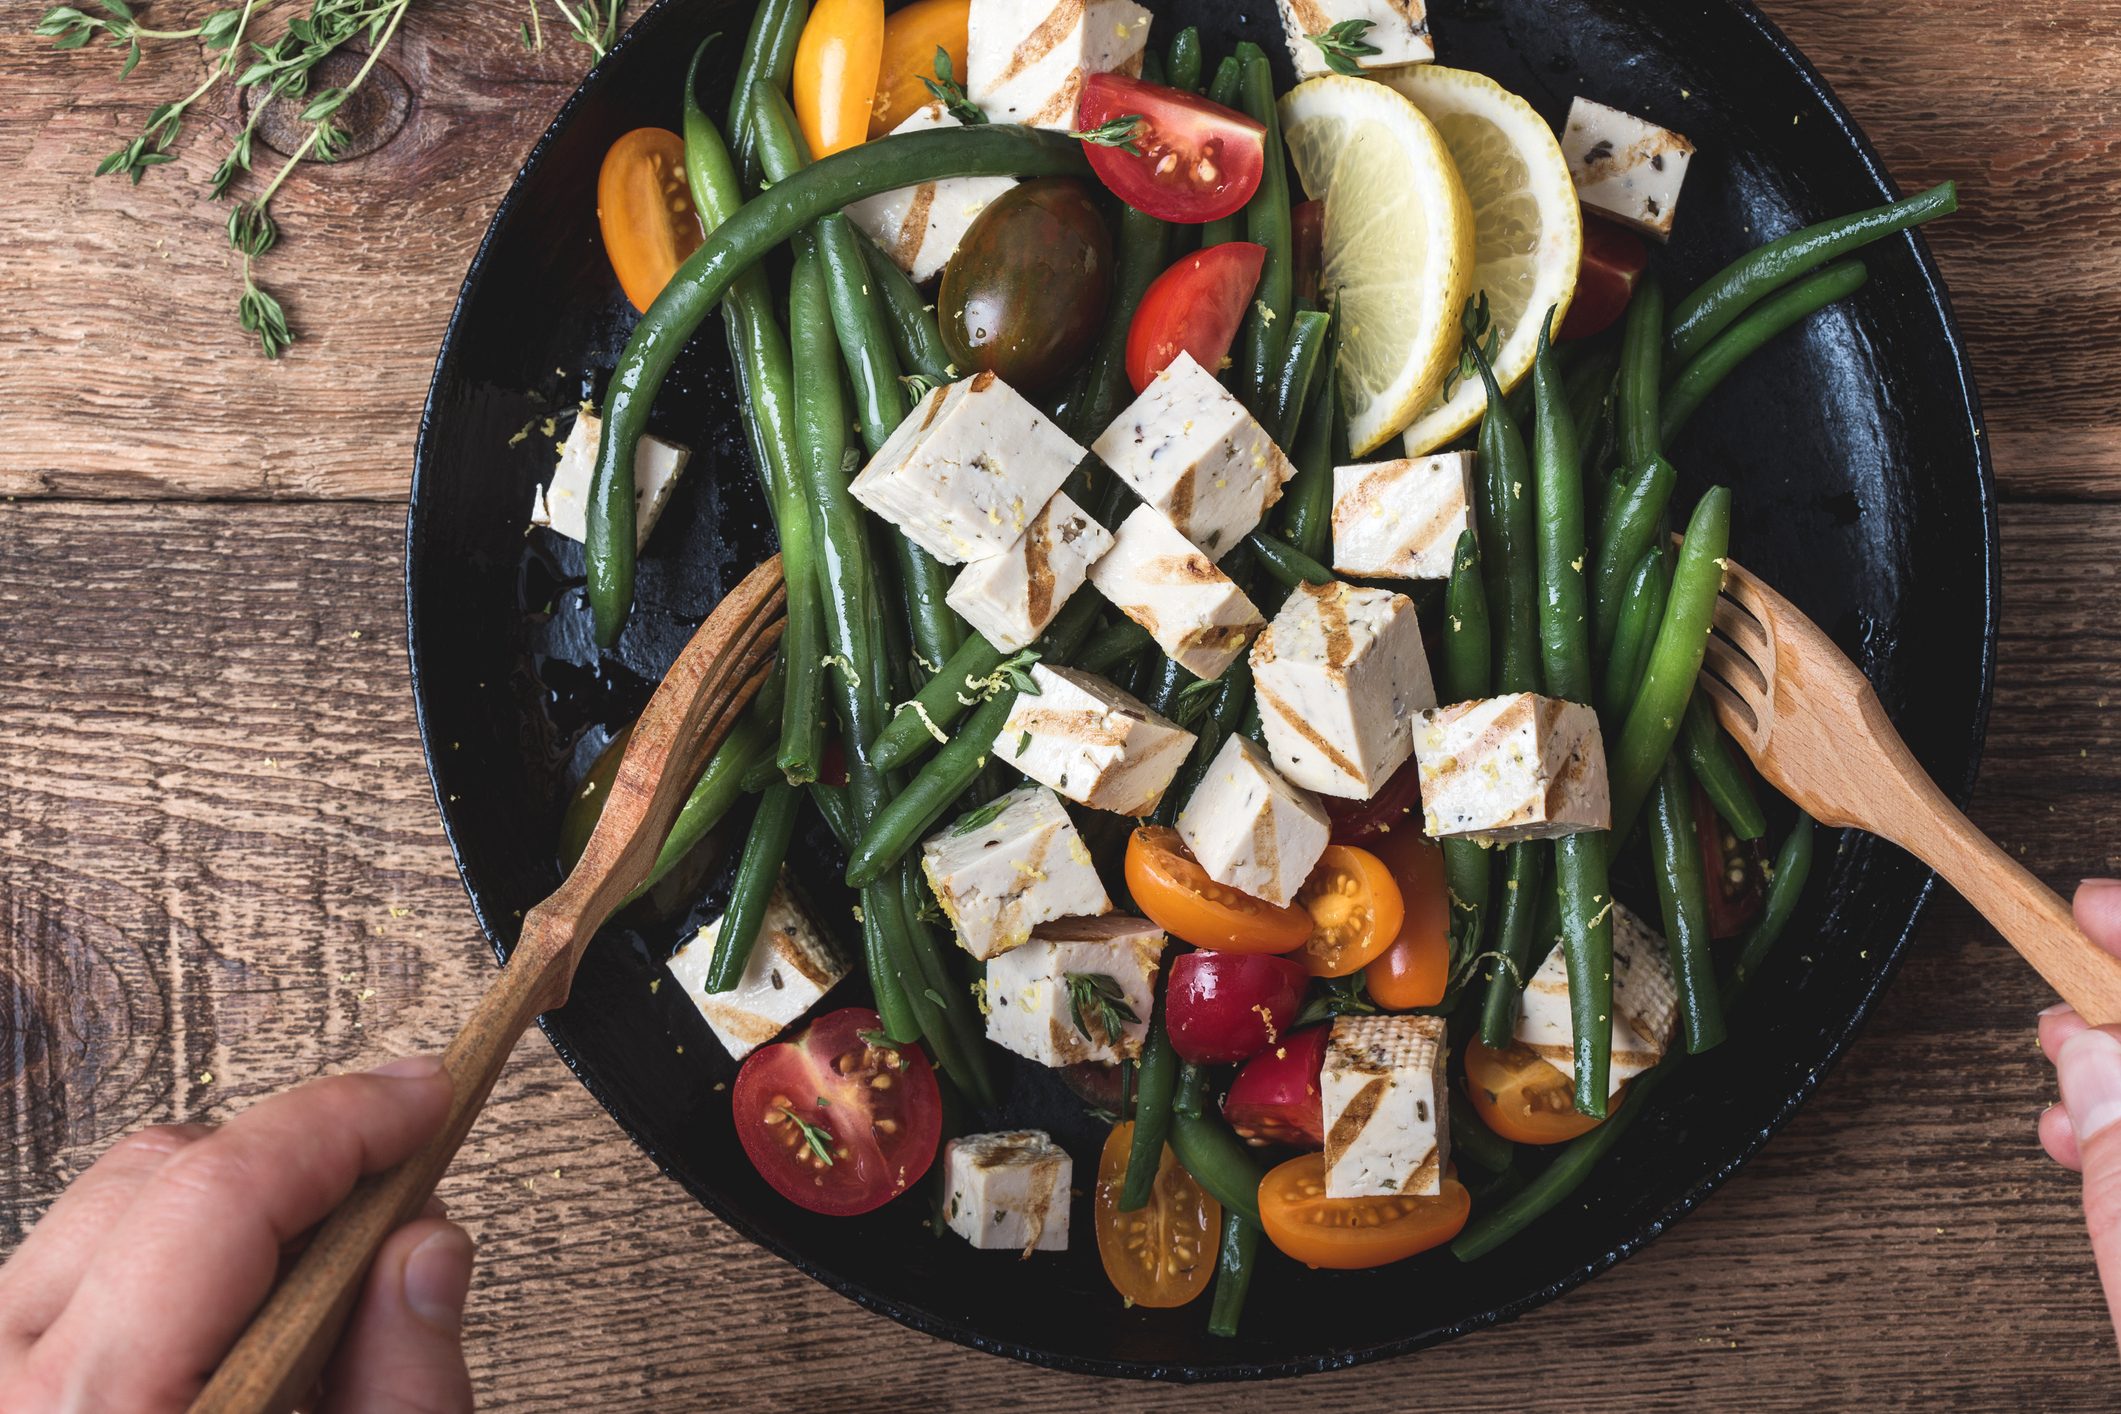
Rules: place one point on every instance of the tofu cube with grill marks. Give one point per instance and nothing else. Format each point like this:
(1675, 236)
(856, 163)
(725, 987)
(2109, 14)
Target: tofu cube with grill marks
(791, 968)
(1011, 597)
(1399, 29)
(1645, 1004)
(1008, 1191)
(563, 506)
(1521, 767)
(1626, 167)
(1190, 449)
(1092, 742)
(1250, 829)
(920, 227)
(1003, 869)
(1402, 519)
(1107, 965)
(1340, 675)
(1382, 1086)
(1025, 60)
(1195, 612)
(966, 473)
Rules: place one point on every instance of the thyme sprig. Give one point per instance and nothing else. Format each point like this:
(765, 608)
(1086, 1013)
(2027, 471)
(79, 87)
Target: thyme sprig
(1343, 44)
(1097, 994)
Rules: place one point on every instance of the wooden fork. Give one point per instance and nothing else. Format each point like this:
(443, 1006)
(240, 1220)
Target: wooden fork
(1819, 735)
(277, 1360)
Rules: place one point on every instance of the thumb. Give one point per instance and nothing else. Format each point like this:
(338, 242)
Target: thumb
(403, 1352)
(2098, 909)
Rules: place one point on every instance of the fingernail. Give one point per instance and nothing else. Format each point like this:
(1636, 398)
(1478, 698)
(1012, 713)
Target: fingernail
(2052, 1010)
(2090, 1070)
(438, 1277)
(410, 1068)
(2101, 886)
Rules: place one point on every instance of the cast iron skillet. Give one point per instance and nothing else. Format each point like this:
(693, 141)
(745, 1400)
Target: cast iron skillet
(1856, 449)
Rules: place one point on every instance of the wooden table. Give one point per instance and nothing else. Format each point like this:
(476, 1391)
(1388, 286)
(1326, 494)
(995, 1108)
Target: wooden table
(220, 870)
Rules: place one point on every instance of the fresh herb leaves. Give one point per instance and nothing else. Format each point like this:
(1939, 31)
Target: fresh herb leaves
(950, 93)
(816, 1136)
(1342, 996)
(981, 818)
(1343, 44)
(1194, 701)
(1099, 995)
(1117, 132)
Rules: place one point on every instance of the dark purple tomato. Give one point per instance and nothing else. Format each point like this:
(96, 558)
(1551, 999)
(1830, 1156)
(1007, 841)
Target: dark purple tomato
(1025, 295)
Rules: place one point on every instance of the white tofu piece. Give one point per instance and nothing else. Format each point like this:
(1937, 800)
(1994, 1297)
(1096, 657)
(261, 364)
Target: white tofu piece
(1011, 597)
(1340, 675)
(1250, 829)
(1195, 612)
(1190, 449)
(1093, 743)
(1398, 28)
(1402, 519)
(1025, 59)
(1003, 869)
(1382, 1085)
(1626, 167)
(792, 966)
(1031, 990)
(563, 506)
(1008, 1190)
(1645, 1004)
(1521, 767)
(967, 472)
(920, 227)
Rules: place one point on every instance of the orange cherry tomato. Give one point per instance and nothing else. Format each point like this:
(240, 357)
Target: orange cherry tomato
(836, 66)
(1351, 1233)
(1179, 897)
(1416, 970)
(911, 37)
(1522, 1097)
(1355, 909)
(1162, 1253)
(645, 211)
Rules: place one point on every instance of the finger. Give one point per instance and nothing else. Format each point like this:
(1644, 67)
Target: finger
(2057, 1024)
(2090, 1071)
(2098, 909)
(404, 1351)
(2059, 1139)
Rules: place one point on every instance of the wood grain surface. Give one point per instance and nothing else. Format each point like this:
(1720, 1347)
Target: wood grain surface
(221, 872)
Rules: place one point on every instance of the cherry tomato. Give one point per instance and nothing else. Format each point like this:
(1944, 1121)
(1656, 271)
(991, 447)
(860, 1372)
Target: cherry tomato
(1194, 307)
(1522, 1097)
(911, 37)
(1355, 909)
(1275, 1098)
(837, 60)
(645, 211)
(1179, 897)
(1222, 1006)
(1397, 802)
(1348, 1234)
(1613, 260)
(1734, 869)
(1025, 294)
(873, 1108)
(1163, 1253)
(1307, 245)
(1194, 161)
(1416, 970)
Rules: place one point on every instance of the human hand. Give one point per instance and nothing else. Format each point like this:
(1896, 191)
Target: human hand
(149, 1266)
(2081, 1133)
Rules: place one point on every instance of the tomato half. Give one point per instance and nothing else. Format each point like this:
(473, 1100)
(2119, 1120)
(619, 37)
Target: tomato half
(1734, 868)
(1397, 802)
(1613, 260)
(912, 34)
(1348, 1234)
(837, 60)
(1162, 1253)
(1193, 161)
(1522, 1097)
(1194, 307)
(873, 1109)
(1276, 1098)
(1178, 896)
(1221, 1006)
(1416, 970)
(644, 210)
(1355, 909)
(1307, 245)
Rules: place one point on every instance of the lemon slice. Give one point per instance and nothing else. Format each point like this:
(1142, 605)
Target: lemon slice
(1397, 249)
(1527, 229)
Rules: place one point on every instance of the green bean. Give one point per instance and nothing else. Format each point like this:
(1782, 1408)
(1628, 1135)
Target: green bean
(913, 330)
(941, 1007)
(1186, 60)
(1306, 519)
(1233, 699)
(1266, 215)
(1509, 554)
(1470, 1139)
(1722, 779)
(1298, 374)
(1234, 1264)
(1467, 660)
(1590, 395)
(941, 701)
(1222, 89)
(1732, 347)
(1629, 533)
(1284, 563)
(1725, 297)
(1190, 1095)
(1683, 895)
(1112, 646)
(1218, 1161)
(765, 849)
(1641, 374)
(1153, 1094)
(1793, 866)
(893, 1005)
(769, 60)
(1518, 938)
(717, 790)
(1641, 611)
(586, 806)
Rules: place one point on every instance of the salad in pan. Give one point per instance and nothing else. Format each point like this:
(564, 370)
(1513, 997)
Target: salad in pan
(1239, 625)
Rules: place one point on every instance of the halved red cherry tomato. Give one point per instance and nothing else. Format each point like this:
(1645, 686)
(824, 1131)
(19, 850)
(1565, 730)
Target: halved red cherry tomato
(1355, 909)
(644, 210)
(1193, 160)
(835, 1123)
(1275, 1098)
(1416, 970)
(1163, 1253)
(1223, 1006)
(1178, 896)
(912, 34)
(1613, 260)
(1397, 803)
(837, 61)
(1194, 307)
(1522, 1097)
(1307, 244)
(1734, 869)
(1348, 1234)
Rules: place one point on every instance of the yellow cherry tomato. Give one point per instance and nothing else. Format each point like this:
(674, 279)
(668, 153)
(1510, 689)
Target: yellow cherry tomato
(911, 37)
(645, 211)
(836, 65)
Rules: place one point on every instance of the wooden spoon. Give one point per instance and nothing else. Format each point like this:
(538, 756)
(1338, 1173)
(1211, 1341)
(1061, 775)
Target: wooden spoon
(277, 1360)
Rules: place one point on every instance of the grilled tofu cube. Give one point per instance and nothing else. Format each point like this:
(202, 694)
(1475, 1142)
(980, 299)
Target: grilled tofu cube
(1008, 1190)
(563, 506)
(1050, 999)
(1522, 767)
(1340, 674)
(1025, 59)
(1398, 28)
(1402, 519)
(1195, 612)
(1093, 743)
(1190, 449)
(792, 966)
(920, 227)
(1011, 597)
(1626, 167)
(1250, 829)
(967, 472)
(1382, 1086)
(1003, 869)
(1645, 1004)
